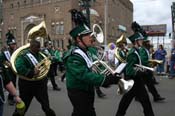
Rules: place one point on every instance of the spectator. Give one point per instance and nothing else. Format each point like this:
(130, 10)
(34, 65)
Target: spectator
(160, 55)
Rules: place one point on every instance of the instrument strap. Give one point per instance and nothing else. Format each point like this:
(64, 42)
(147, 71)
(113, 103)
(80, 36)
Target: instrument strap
(7, 55)
(138, 57)
(32, 59)
(147, 53)
(84, 56)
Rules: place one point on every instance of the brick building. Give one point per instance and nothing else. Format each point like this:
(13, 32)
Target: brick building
(1, 23)
(20, 16)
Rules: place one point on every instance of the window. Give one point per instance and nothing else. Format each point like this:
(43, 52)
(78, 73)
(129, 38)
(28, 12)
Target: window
(59, 28)
(11, 5)
(18, 4)
(62, 29)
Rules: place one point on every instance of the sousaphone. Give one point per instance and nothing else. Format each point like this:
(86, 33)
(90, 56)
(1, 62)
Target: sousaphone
(37, 32)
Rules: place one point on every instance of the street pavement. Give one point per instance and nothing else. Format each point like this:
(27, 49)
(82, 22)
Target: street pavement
(105, 106)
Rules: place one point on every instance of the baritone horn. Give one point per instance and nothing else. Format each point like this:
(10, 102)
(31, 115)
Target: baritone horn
(37, 32)
(101, 67)
(154, 62)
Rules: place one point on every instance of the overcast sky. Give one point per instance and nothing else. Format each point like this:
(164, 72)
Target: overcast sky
(148, 12)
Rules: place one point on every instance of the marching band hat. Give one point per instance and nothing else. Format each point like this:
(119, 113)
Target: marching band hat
(136, 36)
(47, 43)
(79, 31)
(11, 41)
(10, 38)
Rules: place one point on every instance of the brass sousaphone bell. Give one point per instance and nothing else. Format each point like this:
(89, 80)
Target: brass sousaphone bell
(101, 67)
(119, 41)
(37, 32)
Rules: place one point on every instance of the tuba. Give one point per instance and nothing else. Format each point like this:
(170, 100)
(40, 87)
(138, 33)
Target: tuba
(101, 67)
(121, 40)
(37, 32)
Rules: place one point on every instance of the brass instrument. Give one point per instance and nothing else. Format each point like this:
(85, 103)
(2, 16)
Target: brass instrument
(118, 55)
(154, 62)
(121, 40)
(38, 31)
(143, 68)
(101, 67)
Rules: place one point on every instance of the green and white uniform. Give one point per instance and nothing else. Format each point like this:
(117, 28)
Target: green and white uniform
(78, 72)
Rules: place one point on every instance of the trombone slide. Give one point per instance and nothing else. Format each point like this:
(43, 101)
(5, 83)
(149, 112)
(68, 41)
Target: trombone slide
(145, 67)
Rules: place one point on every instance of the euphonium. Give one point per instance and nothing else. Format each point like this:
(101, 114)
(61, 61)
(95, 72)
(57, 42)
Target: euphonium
(38, 31)
(101, 67)
(154, 62)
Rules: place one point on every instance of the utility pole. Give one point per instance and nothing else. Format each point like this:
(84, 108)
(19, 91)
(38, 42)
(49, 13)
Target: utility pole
(173, 19)
(105, 21)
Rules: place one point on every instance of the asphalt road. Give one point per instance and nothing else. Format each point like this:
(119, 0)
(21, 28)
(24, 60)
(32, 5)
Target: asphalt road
(108, 105)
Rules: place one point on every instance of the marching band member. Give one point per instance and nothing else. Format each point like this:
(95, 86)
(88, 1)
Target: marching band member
(5, 59)
(80, 79)
(25, 66)
(132, 72)
(51, 74)
(148, 77)
(6, 82)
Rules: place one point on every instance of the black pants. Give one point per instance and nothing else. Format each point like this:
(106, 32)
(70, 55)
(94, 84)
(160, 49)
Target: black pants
(37, 89)
(139, 91)
(51, 75)
(13, 79)
(148, 79)
(82, 101)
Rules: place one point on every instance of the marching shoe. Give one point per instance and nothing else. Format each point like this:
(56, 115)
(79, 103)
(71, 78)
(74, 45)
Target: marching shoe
(159, 99)
(57, 88)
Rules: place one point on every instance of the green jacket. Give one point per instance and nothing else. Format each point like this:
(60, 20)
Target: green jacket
(4, 80)
(78, 75)
(132, 59)
(144, 54)
(24, 65)
(7, 71)
(58, 56)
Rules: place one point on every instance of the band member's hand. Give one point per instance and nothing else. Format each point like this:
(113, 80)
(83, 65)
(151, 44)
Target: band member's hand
(110, 79)
(36, 71)
(8, 63)
(17, 99)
